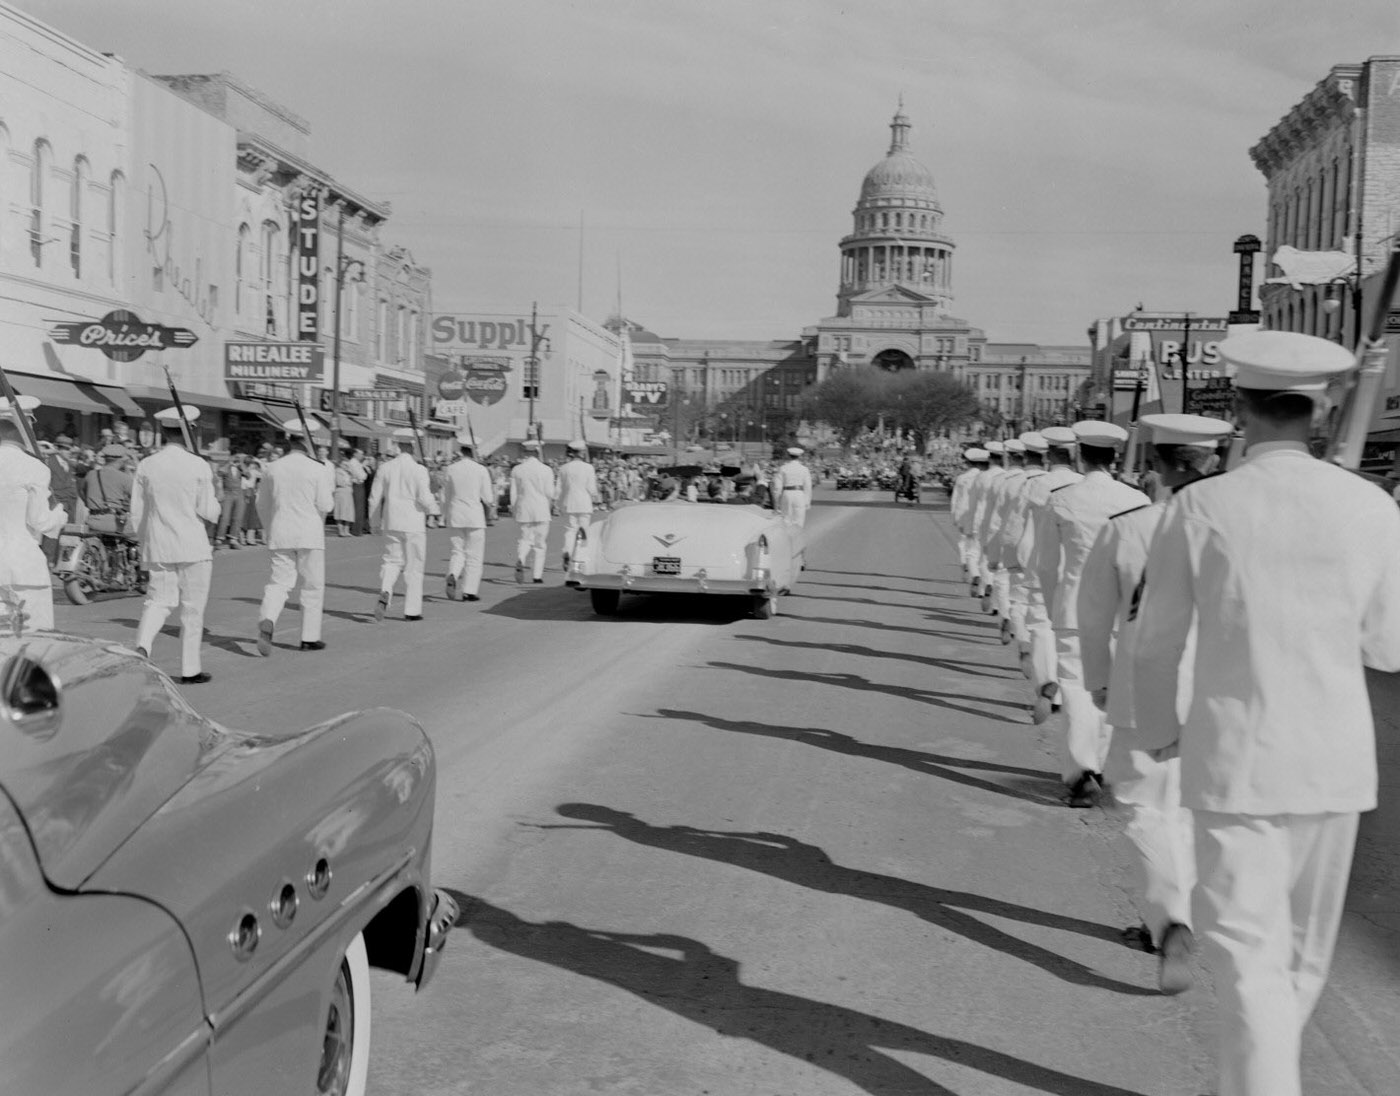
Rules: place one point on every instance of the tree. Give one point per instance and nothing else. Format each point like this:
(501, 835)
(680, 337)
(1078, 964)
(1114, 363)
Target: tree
(847, 401)
(927, 403)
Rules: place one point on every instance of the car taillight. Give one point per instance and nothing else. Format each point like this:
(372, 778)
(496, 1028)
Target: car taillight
(763, 544)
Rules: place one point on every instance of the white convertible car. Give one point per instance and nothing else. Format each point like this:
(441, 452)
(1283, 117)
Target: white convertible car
(687, 548)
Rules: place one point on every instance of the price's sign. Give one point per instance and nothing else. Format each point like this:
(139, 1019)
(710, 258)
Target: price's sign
(123, 336)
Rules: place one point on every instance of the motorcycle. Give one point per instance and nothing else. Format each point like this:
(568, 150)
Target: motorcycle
(92, 561)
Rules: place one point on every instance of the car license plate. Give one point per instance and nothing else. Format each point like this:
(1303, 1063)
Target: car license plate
(665, 565)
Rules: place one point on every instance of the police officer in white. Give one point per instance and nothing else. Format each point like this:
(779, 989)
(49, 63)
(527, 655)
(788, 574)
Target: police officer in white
(532, 494)
(1074, 514)
(172, 498)
(294, 497)
(402, 492)
(792, 488)
(578, 493)
(468, 505)
(1290, 568)
(1146, 790)
(25, 518)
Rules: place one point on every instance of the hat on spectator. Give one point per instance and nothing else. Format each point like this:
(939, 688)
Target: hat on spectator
(1034, 441)
(1014, 445)
(1186, 429)
(795, 450)
(170, 416)
(1062, 437)
(1105, 435)
(996, 448)
(1283, 361)
(530, 445)
(578, 447)
(114, 452)
(26, 404)
(405, 433)
(63, 439)
(975, 454)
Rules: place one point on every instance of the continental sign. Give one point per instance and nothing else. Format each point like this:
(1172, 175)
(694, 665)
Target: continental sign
(285, 363)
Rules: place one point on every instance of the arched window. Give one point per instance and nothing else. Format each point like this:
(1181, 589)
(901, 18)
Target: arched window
(38, 177)
(412, 341)
(401, 334)
(75, 215)
(240, 268)
(381, 331)
(116, 198)
(350, 309)
(267, 274)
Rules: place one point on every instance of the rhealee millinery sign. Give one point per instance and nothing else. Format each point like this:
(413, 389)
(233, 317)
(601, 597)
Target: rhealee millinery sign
(282, 363)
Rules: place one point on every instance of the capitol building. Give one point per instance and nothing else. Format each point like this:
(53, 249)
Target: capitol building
(894, 286)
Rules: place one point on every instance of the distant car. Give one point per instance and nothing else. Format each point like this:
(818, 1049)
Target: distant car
(715, 548)
(186, 909)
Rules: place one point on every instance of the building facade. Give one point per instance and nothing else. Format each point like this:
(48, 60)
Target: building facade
(1025, 386)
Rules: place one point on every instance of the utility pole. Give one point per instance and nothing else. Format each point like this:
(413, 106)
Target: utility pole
(335, 343)
(536, 338)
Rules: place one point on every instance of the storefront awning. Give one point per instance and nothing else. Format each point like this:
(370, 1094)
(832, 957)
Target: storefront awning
(69, 394)
(120, 401)
(353, 427)
(199, 399)
(441, 427)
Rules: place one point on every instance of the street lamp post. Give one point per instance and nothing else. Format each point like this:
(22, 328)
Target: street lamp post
(535, 340)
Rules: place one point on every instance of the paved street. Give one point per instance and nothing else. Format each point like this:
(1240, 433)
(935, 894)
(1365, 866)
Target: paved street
(703, 854)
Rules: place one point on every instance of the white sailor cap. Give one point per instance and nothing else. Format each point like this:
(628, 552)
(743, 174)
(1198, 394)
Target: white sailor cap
(1062, 437)
(578, 446)
(996, 448)
(1034, 441)
(1185, 429)
(530, 445)
(975, 453)
(1106, 435)
(1014, 445)
(170, 416)
(795, 450)
(26, 404)
(1283, 361)
(293, 426)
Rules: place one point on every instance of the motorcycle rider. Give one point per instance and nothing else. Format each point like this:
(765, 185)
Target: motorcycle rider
(107, 491)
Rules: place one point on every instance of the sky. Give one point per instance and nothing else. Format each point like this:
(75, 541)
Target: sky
(700, 159)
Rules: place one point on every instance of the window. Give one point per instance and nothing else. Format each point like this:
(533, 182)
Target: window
(401, 333)
(240, 268)
(75, 216)
(267, 274)
(38, 174)
(530, 379)
(116, 197)
(381, 330)
(350, 310)
(411, 338)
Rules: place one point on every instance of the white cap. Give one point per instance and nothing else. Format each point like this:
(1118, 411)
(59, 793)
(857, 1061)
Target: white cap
(1106, 435)
(1283, 361)
(795, 450)
(170, 416)
(1186, 429)
(1062, 437)
(405, 433)
(293, 426)
(996, 448)
(530, 445)
(975, 454)
(26, 404)
(578, 446)
(1034, 441)
(1014, 445)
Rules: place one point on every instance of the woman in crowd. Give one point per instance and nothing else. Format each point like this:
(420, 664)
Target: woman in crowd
(344, 495)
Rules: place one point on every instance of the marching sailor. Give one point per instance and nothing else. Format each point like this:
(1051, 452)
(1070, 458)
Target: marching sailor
(978, 495)
(25, 518)
(1290, 568)
(792, 488)
(1147, 790)
(533, 489)
(578, 493)
(1073, 517)
(172, 498)
(294, 496)
(469, 506)
(1000, 490)
(1011, 522)
(958, 503)
(402, 491)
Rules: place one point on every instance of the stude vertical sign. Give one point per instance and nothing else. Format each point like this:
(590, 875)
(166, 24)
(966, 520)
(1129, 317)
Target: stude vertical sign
(308, 265)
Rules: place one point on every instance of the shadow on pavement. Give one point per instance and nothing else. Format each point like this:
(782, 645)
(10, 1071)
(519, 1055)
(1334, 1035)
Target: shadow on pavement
(861, 684)
(782, 857)
(876, 574)
(882, 627)
(884, 504)
(703, 986)
(884, 589)
(1041, 788)
(953, 665)
(238, 645)
(565, 603)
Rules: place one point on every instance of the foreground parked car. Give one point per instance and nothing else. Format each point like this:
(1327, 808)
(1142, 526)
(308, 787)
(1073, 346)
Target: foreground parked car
(186, 909)
(715, 548)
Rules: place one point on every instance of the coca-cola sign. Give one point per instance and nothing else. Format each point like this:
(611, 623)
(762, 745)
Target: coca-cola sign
(122, 335)
(484, 380)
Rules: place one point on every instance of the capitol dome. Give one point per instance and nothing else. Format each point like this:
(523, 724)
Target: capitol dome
(900, 176)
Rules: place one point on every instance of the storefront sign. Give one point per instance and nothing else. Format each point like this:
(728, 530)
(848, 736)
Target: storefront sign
(308, 265)
(392, 394)
(1216, 399)
(485, 380)
(1173, 323)
(450, 386)
(646, 395)
(455, 332)
(287, 363)
(123, 336)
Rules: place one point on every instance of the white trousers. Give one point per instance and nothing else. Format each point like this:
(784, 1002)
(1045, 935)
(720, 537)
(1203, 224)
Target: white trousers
(973, 559)
(574, 521)
(965, 544)
(1148, 795)
(1001, 592)
(36, 603)
(467, 558)
(1044, 668)
(182, 585)
(1087, 732)
(534, 536)
(403, 554)
(290, 567)
(793, 506)
(1018, 599)
(1268, 906)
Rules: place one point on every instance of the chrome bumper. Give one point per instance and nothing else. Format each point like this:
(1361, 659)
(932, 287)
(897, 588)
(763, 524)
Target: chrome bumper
(671, 584)
(440, 921)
